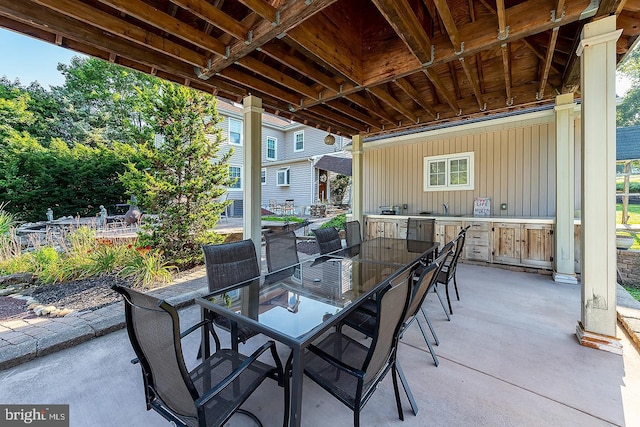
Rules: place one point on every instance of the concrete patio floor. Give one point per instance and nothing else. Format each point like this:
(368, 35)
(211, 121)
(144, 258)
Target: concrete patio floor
(508, 357)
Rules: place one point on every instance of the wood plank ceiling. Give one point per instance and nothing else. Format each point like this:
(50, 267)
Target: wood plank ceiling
(346, 66)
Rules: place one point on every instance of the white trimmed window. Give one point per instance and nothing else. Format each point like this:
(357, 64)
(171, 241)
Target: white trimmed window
(235, 131)
(263, 176)
(283, 177)
(449, 172)
(271, 148)
(236, 172)
(298, 141)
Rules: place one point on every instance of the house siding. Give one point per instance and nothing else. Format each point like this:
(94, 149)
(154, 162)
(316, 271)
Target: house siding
(513, 165)
(300, 189)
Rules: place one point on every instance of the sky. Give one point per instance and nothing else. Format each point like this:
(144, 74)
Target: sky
(30, 59)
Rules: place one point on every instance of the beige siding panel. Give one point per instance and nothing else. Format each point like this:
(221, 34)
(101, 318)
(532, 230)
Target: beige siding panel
(512, 166)
(535, 171)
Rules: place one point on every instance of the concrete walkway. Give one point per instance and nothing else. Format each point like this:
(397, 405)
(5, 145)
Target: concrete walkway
(508, 357)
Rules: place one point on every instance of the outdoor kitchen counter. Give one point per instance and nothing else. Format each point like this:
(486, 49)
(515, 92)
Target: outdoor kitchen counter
(440, 217)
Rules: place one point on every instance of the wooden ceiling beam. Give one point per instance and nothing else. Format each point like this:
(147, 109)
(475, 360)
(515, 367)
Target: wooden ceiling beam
(244, 79)
(329, 114)
(506, 68)
(120, 28)
(263, 9)
(352, 112)
(547, 63)
(276, 76)
(403, 20)
(214, 16)
(540, 56)
(449, 24)
(473, 80)
(83, 34)
(167, 23)
(363, 102)
(385, 97)
(441, 89)
(280, 54)
(411, 91)
(292, 15)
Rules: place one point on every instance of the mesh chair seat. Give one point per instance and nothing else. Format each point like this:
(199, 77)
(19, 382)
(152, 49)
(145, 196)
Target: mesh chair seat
(214, 370)
(448, 272)
(351, 371)
(348, 351)
(210, 393)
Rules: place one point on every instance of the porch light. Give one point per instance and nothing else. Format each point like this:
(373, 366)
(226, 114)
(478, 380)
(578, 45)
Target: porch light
(329, 139)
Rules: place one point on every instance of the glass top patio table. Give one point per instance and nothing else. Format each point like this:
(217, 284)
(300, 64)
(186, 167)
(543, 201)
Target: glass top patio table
(387, 250)
(297, 304)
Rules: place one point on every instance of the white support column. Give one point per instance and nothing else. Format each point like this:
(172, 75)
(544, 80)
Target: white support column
(565, 190)
(356, 179)
(252, 222)
(597, 53)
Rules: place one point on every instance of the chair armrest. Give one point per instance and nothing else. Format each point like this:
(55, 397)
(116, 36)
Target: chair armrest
(211, 393)
(335, 362)
(194, 327)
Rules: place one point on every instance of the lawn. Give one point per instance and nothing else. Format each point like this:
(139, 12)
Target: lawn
(634, 214)
(633, 291)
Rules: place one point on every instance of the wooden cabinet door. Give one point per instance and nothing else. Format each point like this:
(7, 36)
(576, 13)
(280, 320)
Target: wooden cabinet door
(446, 231)
(374, 228)
(506, 243)
(537, 245)
(390, 228)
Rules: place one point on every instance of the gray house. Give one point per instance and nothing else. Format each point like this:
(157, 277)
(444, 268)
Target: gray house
(290, 153)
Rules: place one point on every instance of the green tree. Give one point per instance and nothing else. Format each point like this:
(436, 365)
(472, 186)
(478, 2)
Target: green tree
(628, 111)
(101, 102)
(184, 175)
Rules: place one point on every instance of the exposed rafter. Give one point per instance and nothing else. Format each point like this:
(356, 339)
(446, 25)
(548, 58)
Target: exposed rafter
(547, 62)
(215, 17)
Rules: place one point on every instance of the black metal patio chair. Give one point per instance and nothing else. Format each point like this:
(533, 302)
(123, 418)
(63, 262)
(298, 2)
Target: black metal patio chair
(349, 370)
(328, 239)
(281, 250)
(228, 264)
(421, 229)
(353, 233)
(207, 395)
(448, 272)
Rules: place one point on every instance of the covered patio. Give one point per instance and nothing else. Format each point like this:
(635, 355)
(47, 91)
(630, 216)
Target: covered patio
(375, 70)
(509, 356)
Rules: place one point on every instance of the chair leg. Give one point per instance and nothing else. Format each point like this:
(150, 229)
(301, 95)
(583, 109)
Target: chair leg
(446, 289)
(397, 371)
(435, 289)
(431, 350)
(455, 285)
(287, 397)
(433, 331)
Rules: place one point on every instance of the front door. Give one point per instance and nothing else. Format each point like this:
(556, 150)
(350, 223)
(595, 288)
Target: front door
(323, 177)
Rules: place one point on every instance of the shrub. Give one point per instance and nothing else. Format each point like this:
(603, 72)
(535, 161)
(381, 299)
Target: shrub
(337, 221)
(145, 268)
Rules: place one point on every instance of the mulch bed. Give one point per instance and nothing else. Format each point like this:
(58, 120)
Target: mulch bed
(78, 295)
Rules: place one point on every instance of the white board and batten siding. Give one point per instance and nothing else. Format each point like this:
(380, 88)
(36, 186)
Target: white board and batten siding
(514, 164)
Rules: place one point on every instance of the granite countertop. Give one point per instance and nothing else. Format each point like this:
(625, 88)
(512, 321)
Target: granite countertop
(469, 217)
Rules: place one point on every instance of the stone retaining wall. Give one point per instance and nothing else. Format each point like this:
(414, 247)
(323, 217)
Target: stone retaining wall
(629, 266)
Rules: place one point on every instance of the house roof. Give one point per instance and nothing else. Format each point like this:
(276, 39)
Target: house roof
(628, 143)
(347, 66)
(338, 163)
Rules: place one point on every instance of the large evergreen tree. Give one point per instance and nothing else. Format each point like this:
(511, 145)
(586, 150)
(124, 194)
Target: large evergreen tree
(184, 173)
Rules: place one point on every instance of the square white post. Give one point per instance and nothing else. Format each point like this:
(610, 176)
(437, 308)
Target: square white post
(597, 53)
(252, 219)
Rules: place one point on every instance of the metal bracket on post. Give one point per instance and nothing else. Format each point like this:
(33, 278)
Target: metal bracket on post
(433, 54)
(227, 52)
(277, 21)
(539, 96)
(509, 102)
(249, 39)
(553, 15)
(458, 52)
(503, 35)
(484, 108)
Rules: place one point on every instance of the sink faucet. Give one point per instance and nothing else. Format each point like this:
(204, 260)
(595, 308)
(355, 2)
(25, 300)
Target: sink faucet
(446, 208)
